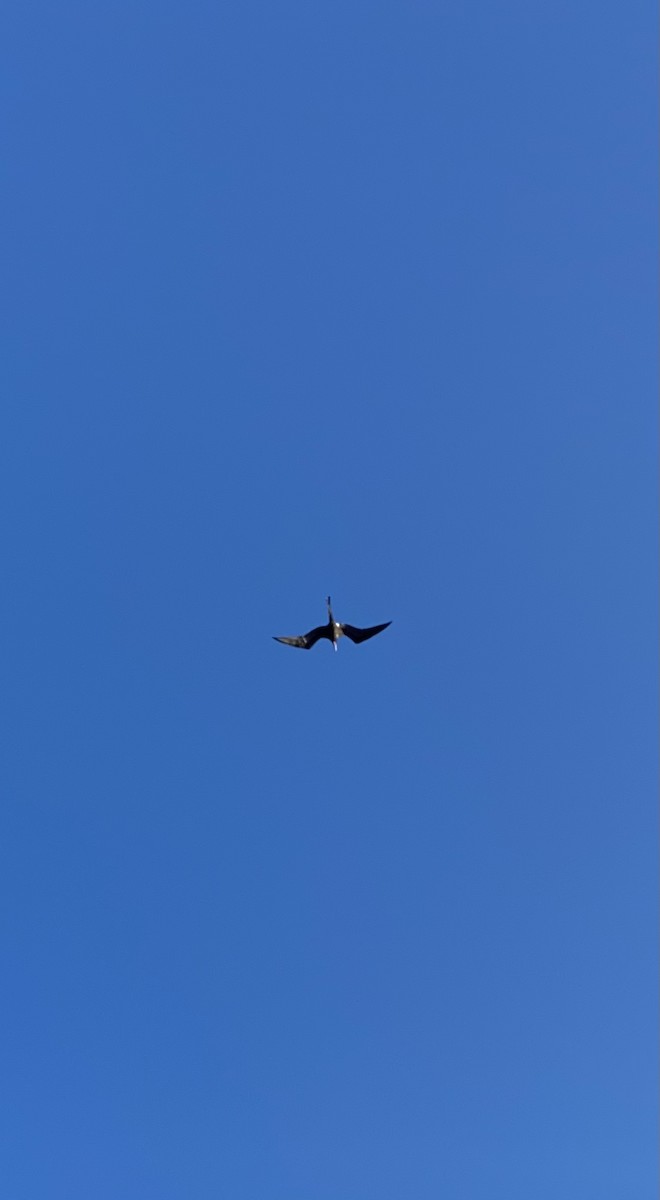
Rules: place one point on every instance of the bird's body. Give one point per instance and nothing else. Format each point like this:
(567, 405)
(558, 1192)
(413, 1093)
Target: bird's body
(332, 631)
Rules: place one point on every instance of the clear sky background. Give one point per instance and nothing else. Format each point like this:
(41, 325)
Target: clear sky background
(302, 299)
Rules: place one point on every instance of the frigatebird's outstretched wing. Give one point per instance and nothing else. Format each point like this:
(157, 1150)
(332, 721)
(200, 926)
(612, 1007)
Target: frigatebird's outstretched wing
(307, 640)
(361, 635)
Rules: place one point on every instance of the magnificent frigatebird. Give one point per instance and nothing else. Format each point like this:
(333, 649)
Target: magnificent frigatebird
(332, 631)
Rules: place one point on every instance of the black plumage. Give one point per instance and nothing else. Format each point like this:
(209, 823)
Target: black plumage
(332, 631)
(361, 635)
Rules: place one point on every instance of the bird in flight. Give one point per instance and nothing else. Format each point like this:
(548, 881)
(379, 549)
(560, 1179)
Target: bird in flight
(332, 631)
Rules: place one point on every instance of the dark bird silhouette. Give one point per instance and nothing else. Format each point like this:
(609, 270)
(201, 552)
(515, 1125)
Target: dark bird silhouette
(332, 631)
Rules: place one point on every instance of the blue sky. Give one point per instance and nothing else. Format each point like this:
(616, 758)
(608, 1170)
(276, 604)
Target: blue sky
(300, 300)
